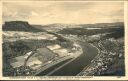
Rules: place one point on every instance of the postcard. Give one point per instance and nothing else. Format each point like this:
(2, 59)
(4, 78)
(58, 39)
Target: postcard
(64, 40)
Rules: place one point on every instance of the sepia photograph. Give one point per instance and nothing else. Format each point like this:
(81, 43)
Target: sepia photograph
(63, 38)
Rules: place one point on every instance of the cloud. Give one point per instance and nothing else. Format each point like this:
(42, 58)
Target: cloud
(63, 12)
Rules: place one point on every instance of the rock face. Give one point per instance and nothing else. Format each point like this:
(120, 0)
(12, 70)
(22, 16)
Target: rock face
(18, 26)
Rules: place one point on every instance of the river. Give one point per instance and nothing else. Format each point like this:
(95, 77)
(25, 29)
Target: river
(77, 65)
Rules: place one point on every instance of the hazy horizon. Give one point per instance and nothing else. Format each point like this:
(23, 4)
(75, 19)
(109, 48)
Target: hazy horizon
(66, 23)
(50, 12)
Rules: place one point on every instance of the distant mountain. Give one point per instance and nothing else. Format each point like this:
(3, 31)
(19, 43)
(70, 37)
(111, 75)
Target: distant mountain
(19, 26)
(51, 27)
(98, 28)
(61, 25)
(104, 25)
(40, 27)
(56, 27)
(65, 28)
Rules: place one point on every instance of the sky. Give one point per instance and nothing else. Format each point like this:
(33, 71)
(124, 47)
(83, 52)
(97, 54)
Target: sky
(49, 12)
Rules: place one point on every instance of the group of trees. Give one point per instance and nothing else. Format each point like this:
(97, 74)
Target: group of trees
(23, 71)
(11, 50)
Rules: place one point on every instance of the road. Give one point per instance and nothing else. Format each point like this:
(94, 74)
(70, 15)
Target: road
(74, 67)
(51, 65)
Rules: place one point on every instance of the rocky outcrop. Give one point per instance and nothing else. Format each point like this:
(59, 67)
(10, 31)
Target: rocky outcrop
(18, 26)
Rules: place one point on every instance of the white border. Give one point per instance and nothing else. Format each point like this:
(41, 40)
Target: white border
(70, 77)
